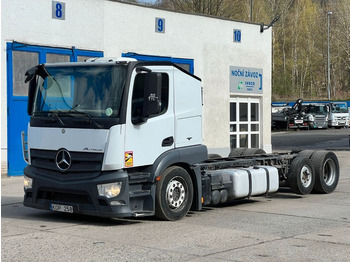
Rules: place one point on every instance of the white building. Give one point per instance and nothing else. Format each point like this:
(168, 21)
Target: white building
(232, 58)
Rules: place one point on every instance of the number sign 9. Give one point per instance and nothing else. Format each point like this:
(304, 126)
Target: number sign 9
(58, 10)
(237, 35)
(160, 25)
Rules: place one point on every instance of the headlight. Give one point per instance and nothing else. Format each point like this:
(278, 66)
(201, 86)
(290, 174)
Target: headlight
(27, 182)
(311, 118)
(109, 190)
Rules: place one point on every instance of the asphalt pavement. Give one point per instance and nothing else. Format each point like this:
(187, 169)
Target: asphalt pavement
(281, 227)
(331, 139)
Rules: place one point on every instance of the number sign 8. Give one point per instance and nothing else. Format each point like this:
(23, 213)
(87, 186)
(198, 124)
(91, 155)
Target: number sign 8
(58, 10)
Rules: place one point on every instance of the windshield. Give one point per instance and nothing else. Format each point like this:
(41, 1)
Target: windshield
(340, 108)
(92, 91)
(317, 109)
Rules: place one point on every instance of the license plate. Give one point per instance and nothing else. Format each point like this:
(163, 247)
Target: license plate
(298, 121)
(61, 208)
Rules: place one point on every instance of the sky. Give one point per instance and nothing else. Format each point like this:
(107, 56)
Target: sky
(148, 1)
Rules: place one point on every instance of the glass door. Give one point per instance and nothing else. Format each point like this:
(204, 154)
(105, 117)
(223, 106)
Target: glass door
(245, 123)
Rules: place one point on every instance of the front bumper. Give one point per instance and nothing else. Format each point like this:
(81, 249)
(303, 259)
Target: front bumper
(298, 126)
(335, 123)
(318, 124)
(80, 193)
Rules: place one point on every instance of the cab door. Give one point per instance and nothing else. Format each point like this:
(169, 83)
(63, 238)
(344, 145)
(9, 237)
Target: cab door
(147, 139)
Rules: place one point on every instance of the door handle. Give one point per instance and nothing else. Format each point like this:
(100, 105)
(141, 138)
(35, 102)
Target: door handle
(169, 141)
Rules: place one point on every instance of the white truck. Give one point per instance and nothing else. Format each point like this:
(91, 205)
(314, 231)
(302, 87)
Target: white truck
(338, 115)
(123, 138)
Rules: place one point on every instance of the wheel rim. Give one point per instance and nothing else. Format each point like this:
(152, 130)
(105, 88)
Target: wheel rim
(306, 176)
(329, 171)
(176, 193)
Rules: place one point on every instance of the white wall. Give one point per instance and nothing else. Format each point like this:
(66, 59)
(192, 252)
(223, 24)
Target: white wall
(209, 41)
(115, 28)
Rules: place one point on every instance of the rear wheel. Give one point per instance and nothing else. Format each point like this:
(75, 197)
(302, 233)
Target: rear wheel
(306, 153)
(214, 156)
(326, 171)
(174, 194)
(253, 151)
(236, 152)
(301, 176)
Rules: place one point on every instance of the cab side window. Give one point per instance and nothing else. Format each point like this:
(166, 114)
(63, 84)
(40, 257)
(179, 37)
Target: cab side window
(138, 96)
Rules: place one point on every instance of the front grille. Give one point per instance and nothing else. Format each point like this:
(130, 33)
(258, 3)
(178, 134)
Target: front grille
(320, 119)
(80, 161)
(339, 118)
(64, 197)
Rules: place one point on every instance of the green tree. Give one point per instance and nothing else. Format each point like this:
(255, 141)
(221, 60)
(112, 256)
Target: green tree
(299, 41)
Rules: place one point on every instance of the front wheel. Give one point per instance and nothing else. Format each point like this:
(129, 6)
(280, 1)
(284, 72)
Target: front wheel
(301, 176)
(174, 194)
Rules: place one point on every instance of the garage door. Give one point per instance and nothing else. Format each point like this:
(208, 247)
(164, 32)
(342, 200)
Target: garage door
(21, 57)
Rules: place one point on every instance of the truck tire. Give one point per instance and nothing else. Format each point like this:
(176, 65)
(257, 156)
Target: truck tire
(326, 167)
(253, 151)
(306, 153)
(236, 152)
(301, 176)
(214, 156)
(174, 194)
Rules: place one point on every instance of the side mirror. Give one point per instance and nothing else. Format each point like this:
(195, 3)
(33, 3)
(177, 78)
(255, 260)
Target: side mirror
(31, 78)
(326, 107)
(31, 94)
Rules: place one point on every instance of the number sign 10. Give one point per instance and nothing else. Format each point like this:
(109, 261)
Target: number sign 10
(160, 25)
(237, 35)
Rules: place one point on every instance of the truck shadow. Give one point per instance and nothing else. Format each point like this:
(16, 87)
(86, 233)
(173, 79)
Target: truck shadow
(286, 193)
(12, 208)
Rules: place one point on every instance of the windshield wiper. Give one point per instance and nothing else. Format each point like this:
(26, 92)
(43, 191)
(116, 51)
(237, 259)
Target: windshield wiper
(55, 113)
(74, 111)
(47, 114)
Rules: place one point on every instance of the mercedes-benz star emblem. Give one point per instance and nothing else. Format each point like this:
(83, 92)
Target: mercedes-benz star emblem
(63, 160)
